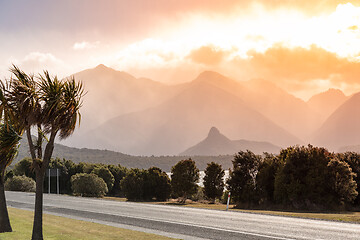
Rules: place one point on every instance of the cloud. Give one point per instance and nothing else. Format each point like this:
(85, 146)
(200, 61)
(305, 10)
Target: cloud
(208, 55)
(85, 45)
(301, 64)
(36, 62)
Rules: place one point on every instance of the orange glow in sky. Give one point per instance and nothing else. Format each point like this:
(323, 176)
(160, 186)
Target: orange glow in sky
(303, 46)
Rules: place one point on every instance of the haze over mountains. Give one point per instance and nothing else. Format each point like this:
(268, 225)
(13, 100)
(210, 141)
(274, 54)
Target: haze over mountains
(217, 144)
(140, 116)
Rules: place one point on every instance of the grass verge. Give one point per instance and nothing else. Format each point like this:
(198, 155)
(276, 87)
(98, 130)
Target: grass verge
(65, 229)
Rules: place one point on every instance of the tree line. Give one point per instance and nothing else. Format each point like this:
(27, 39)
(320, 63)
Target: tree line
(299, 177)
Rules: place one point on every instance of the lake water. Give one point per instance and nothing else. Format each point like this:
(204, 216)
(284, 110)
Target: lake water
(202, 175)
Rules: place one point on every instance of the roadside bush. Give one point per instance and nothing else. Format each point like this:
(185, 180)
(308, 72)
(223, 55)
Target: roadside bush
(23, 167)
(104, 173)
(119, 172)
(20, 183)
(133, 185)
(156, 185)
(88, 185)
(342, 181)
(313, 178)
(302, 182)
(199, 195)
(353, 159)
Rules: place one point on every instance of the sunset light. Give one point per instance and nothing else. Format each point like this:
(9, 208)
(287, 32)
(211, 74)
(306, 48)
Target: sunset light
(190, 38)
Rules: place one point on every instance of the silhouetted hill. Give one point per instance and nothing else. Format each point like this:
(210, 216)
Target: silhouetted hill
(218, 144)
(111, 157)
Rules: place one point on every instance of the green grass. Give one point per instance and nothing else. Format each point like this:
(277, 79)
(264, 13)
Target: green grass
(64, 228)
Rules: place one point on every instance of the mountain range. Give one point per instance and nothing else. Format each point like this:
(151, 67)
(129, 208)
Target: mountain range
(140, 116)
(217, 144)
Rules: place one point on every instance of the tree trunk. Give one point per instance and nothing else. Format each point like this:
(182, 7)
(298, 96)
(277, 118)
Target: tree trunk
(40, 169)
(4, 216)
(37, 233)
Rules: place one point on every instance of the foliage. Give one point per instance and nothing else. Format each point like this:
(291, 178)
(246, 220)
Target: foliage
(199, 195)
(133, 184)
(353, 159)
(265, 178)
(8, 174)
(184, 176)
(20, 183)
(342, 181)
(156, 184)
(106, 175)
(88, 185)
(24, 167)
(119, 172)
(214, 181)
(313, 178)
(303, 180)
(52, 106)
(242, 179)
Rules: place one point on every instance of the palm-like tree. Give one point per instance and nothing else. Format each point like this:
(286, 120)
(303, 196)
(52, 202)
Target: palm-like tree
(9, 141)
(52, 106)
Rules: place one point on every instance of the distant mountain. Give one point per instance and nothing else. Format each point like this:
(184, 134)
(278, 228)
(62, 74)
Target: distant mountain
(183, 120)
(284, 109)
(342, 128)
(217, 144)
(111, 157)
(111, 93)
(326, 103)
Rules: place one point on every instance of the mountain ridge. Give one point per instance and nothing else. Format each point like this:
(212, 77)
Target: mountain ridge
(218, 144)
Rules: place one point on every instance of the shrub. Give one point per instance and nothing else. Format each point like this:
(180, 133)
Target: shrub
(156, 185)
(353, 159)
(20, 183)
(88, 185)
(133, 184)
(119, 172)
(104, 173)
(24, 167)
(342, 181)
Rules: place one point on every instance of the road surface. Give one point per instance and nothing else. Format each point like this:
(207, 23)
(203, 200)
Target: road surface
(186, 223)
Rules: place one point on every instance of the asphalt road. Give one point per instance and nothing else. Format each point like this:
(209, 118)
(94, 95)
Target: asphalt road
(186, 223)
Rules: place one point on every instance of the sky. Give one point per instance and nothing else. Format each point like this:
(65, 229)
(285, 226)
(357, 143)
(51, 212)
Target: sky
(303, 46)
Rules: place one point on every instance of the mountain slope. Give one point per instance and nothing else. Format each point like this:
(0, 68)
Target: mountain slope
(111, 93)
(342, 128)
(217, 144)
(326, 103)
(182, 121)
(284, 109)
